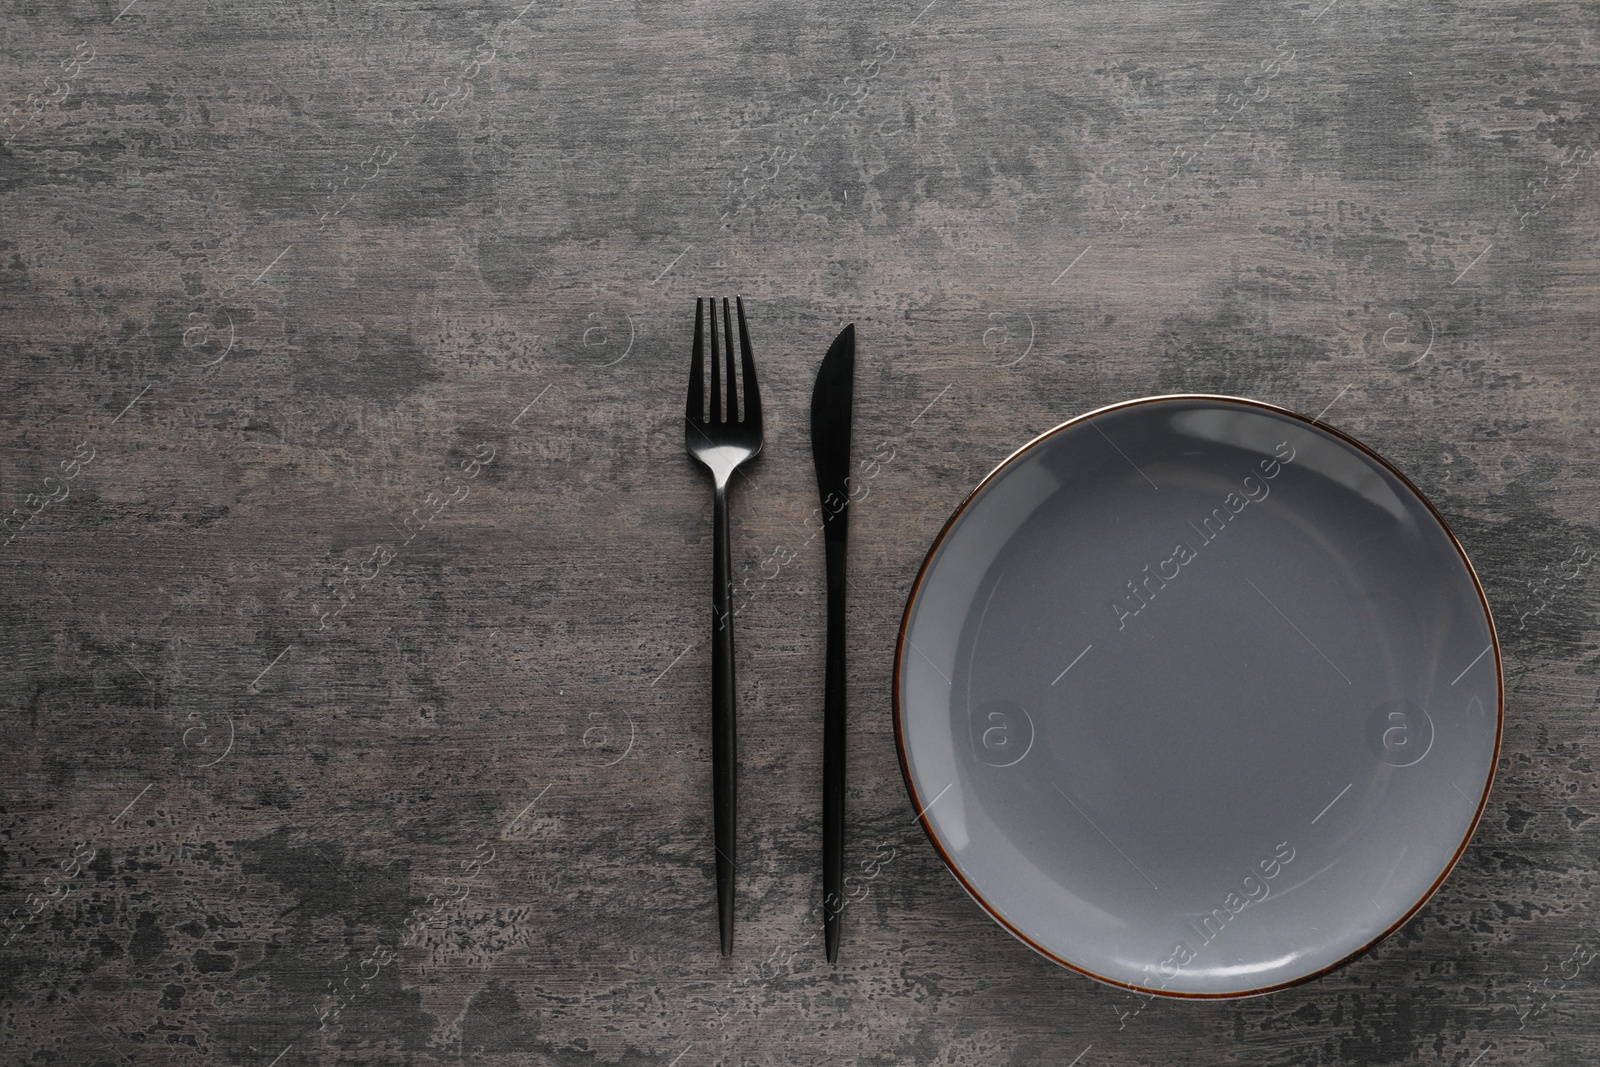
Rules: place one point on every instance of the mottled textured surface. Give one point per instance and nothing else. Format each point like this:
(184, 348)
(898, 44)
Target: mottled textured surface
(355, 673)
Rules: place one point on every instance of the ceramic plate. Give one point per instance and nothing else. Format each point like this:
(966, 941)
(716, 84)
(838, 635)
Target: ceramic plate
(1198, 696)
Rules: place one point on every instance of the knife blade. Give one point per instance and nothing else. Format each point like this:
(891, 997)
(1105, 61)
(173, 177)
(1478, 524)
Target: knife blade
(830, 451)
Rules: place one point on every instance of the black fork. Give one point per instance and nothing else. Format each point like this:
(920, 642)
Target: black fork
(722, 441)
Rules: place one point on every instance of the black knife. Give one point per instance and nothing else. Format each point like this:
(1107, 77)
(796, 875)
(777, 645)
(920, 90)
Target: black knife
(830, 451)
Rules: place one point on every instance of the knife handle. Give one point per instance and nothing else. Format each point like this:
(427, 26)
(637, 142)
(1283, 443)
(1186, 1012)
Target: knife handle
(724, 748)
(833, 753)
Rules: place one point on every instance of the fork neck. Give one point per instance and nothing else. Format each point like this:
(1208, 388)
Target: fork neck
(721, 463)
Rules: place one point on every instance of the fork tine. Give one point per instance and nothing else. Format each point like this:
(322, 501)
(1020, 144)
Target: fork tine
(716, 364)
(750, 403)
(733, 389)
(696, 410)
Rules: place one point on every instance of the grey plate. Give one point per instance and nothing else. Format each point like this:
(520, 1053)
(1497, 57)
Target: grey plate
(1197, 696)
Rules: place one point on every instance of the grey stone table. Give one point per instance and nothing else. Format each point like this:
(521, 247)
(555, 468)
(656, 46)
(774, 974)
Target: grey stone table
(352, 607)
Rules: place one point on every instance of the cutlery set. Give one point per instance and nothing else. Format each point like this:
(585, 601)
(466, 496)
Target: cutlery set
(723, 430)
(1086, 748)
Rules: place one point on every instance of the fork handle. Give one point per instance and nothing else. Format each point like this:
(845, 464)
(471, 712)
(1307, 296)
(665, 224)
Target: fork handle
(724, 748)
